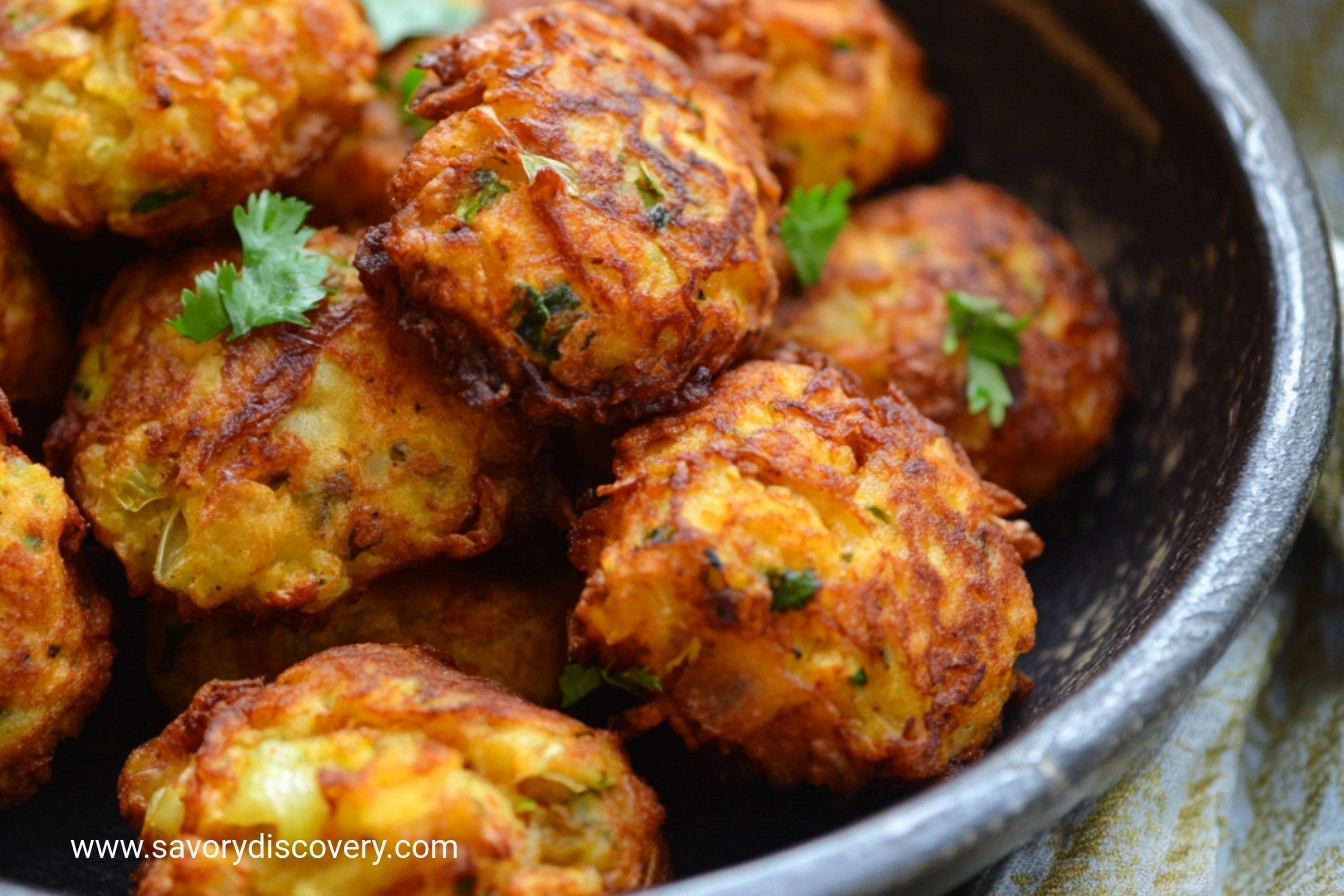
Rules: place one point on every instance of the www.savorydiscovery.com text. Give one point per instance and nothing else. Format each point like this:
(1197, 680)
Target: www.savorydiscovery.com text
(265, 846)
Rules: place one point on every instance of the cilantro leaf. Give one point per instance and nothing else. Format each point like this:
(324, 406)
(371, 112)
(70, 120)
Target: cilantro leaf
(992, 338)
(488, 188)
(792, 590)
(281, 279)
(410, 83)
(545, 318)
(393, 21)
(812, 221)
(578, 681)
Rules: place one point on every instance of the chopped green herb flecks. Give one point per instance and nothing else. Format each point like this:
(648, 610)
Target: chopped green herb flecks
(879, 513)
(31, 542)
(812, 222)
(661, 535)
(534, 163)
(160, 199)
(544, 318)
(488, 188)
(578, 681)
(992, 338)
(652, 194)
(792, 590)
(859, 678)
(659, 217)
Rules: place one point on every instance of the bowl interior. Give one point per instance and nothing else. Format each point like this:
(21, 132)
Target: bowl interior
(1088, 112)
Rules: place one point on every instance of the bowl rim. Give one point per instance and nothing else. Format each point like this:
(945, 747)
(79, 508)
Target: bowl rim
(931, 841)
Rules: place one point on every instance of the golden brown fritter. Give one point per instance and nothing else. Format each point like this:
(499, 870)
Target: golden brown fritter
(824, 587)
(35, 350)
(55, 657)
(846, 97)
(390, 744)
(501, 616)
(881, 310)
(282, 469)
(585, 227)
(157, 118)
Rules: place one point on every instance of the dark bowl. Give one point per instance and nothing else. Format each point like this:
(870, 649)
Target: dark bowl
(1141, 129)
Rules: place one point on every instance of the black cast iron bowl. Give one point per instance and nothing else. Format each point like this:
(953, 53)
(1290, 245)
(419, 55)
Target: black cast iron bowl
(1141, 129)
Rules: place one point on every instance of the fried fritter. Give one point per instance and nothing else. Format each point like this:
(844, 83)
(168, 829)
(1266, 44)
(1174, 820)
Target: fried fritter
(55, 656)
(390, 744)
(584, 229)
(282, 469)
(881, 310)
(822, 584)
(35, 350)
(501, 616)
(846, 97)
(157, 118)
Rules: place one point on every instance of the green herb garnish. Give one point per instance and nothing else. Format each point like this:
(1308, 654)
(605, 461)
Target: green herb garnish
(652, 194)
(410, 83)
(488, 188)
(160, 199)
(792, 590)
(992, 338)
(578, 681)
(543, 319)
(859, 678)
(812, 222)
(393, 21)
(280, 280)
(879, 513)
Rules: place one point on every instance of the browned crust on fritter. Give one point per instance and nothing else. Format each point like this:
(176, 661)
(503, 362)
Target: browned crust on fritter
(897, 261)
(55, 652)
(534, 84)
(677, 554)
(205, 101)
(201, 439)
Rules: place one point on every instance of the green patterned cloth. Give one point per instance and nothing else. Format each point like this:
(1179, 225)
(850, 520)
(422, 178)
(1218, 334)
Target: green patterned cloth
(1244, 795)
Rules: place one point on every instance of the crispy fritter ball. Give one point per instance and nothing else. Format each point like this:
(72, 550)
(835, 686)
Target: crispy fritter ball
(881, 310)
(501, 616)
(34, 345)
(282, 469)
(55, 656)
(585, 227)
(825, 588)
(157, 118)
(383, 743)
(846, 97)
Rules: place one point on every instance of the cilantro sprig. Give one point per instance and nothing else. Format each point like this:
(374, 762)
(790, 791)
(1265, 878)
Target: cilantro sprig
(992, 338)
(812, 222)
(578, 681)
(280, 281)
(393, 21)
(792, 589)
